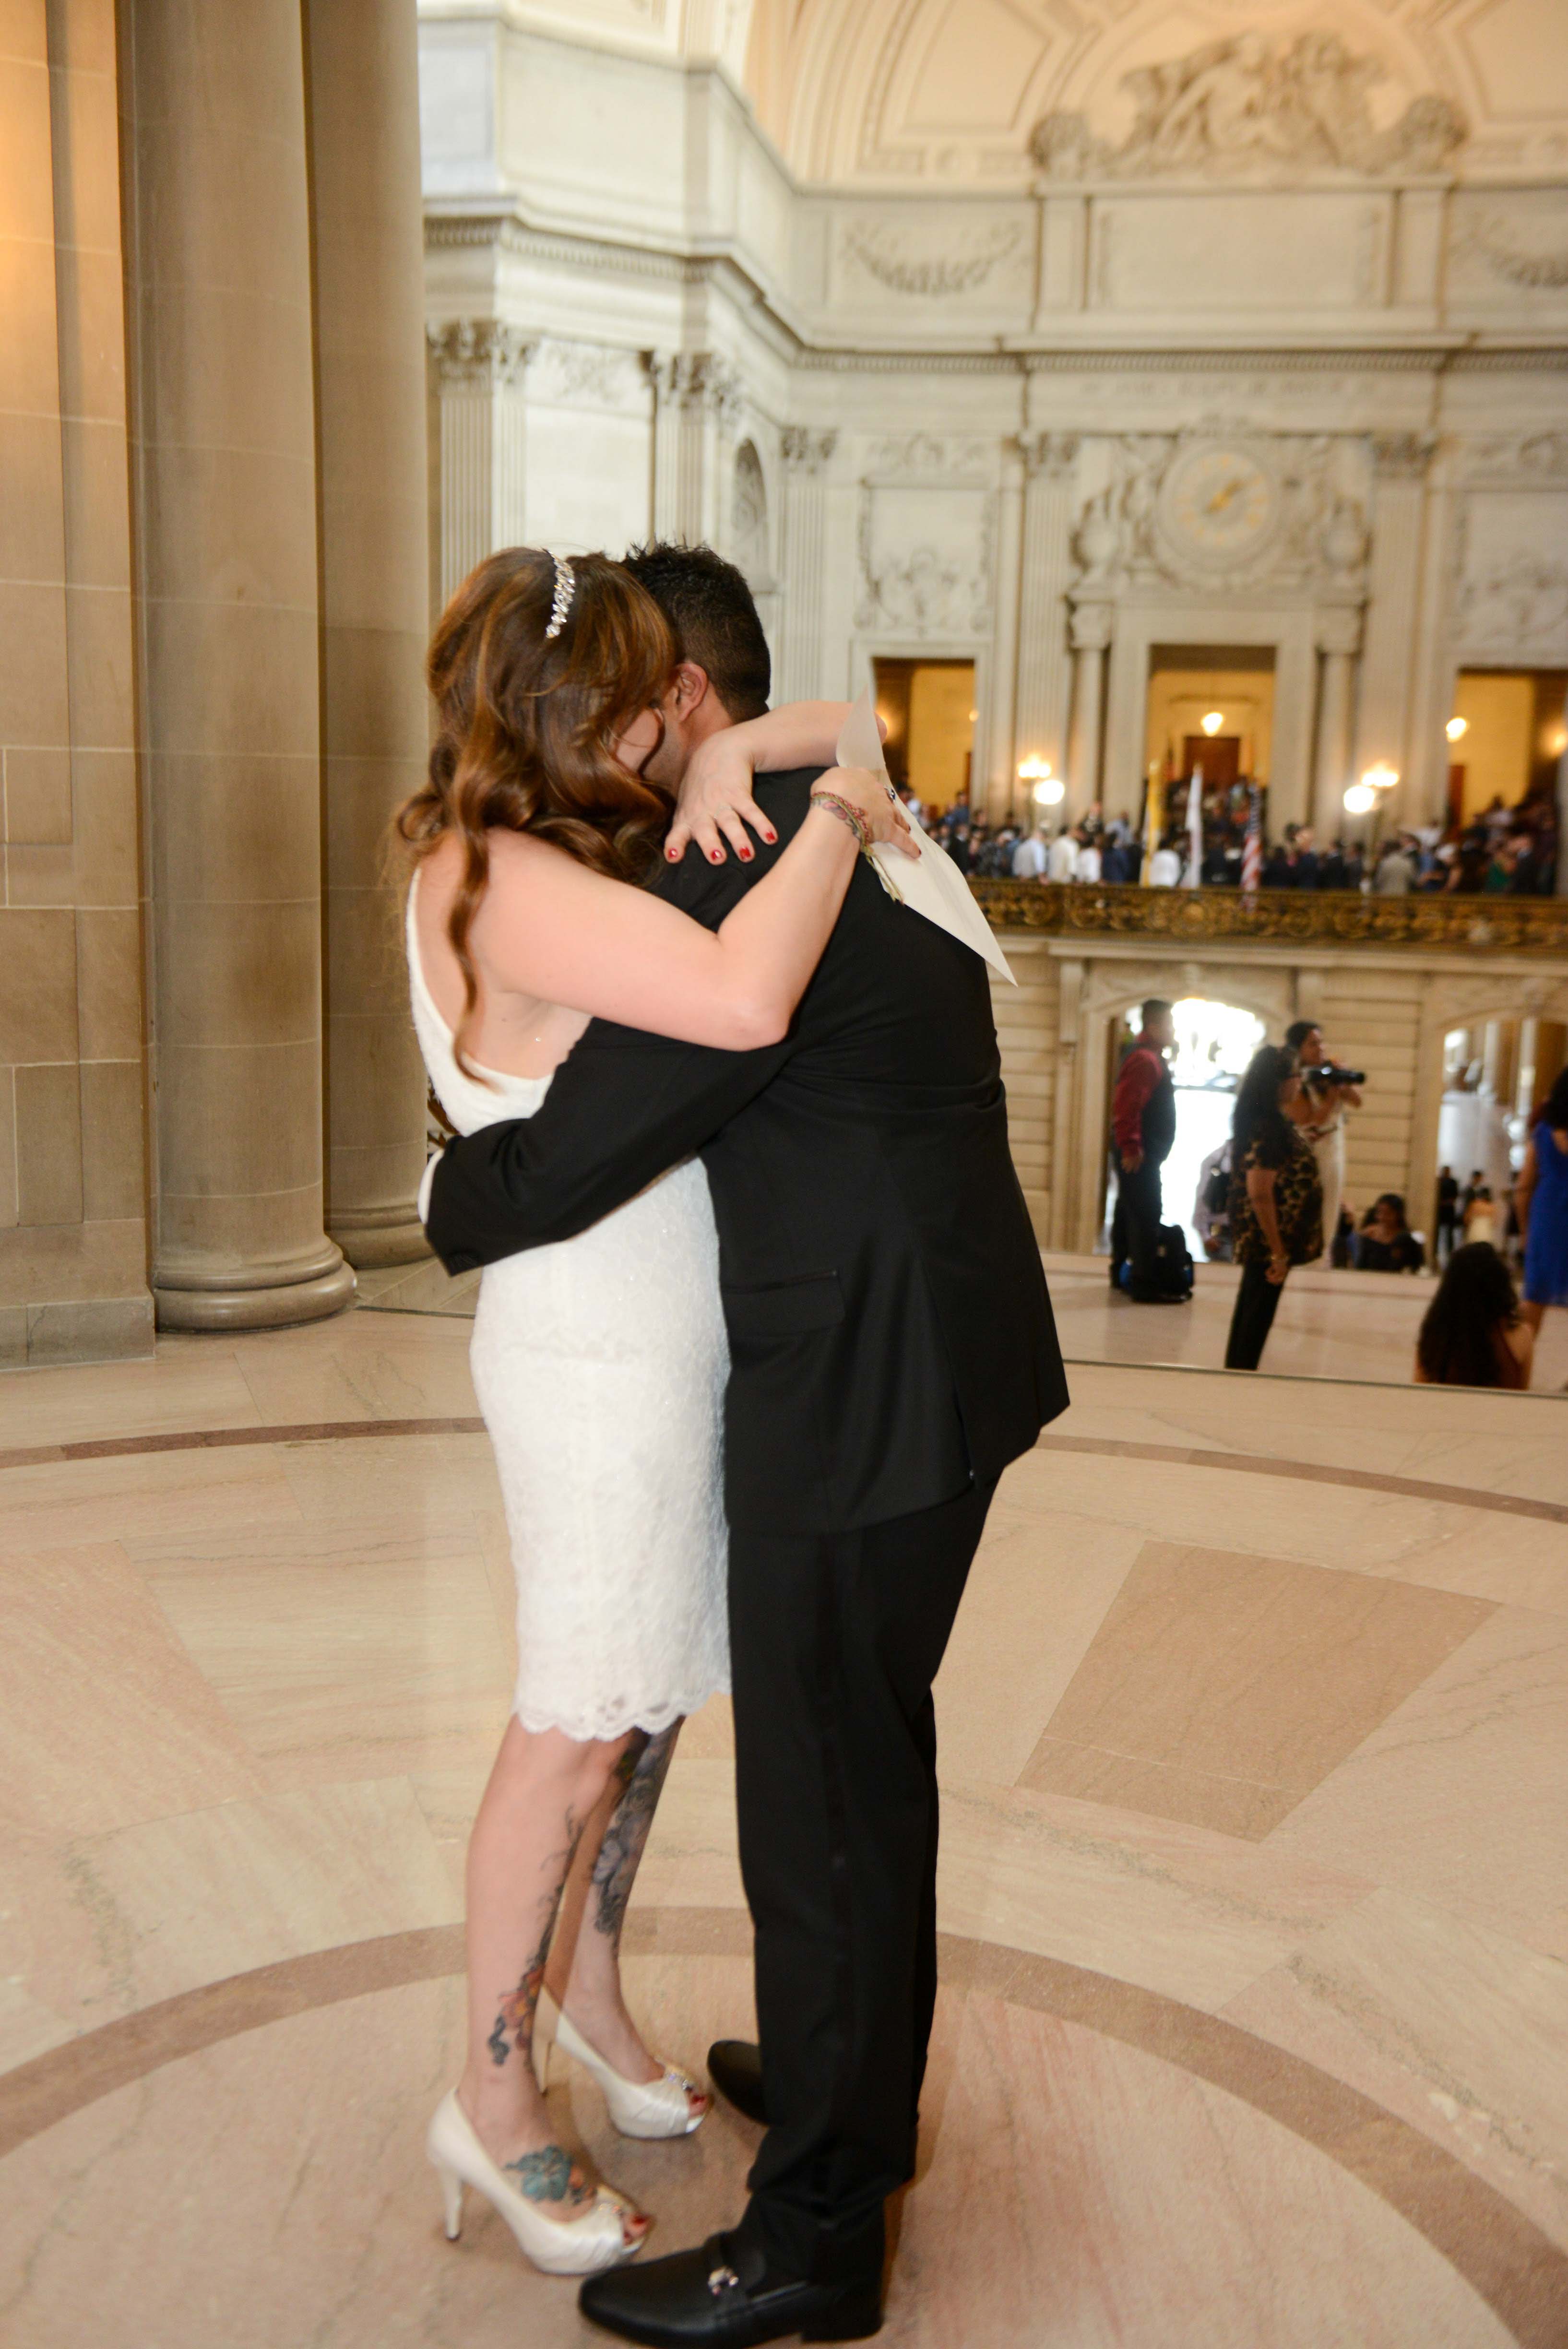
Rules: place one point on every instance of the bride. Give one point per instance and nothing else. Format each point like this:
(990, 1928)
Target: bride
(599, 1363)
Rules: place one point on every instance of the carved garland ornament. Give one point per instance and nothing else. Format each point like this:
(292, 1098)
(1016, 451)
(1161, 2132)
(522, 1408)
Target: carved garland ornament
(889, 256)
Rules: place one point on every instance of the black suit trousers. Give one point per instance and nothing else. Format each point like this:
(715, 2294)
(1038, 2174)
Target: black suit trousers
(1135, 1226)
(836, 1639)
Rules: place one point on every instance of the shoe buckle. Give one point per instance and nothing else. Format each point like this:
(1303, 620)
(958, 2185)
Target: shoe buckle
(722, 2280)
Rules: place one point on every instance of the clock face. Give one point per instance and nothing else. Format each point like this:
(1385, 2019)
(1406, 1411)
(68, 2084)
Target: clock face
(1218, 504)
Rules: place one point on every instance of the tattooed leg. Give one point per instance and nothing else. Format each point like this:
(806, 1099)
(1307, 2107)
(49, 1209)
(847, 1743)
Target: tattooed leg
(584, 1958)
(544, 1792)
(620, 1853)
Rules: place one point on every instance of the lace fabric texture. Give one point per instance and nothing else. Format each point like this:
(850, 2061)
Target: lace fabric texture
(600, 1365)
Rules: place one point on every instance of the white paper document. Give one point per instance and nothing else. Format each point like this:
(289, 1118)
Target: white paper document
(934, 888)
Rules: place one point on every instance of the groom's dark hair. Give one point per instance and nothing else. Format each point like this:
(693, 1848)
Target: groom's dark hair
(710, 606)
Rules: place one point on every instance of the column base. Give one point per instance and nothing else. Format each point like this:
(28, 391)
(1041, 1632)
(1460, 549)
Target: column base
(381, 1237)
(275, 1308)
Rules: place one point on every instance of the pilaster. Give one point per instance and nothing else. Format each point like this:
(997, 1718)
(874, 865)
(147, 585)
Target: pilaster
(480, 364)
(806, 455)
(1400, 464)
(1045, 667)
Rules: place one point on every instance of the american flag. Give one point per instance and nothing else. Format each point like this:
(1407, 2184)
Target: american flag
(1253, 847)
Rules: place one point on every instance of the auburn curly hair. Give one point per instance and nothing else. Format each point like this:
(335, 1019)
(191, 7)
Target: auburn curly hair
(525, 727)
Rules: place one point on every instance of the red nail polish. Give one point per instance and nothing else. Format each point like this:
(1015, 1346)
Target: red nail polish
(717, 855)
(747, 854)
(771, 837)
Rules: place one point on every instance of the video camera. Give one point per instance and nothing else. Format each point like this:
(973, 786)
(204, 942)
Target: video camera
(1331, 1074)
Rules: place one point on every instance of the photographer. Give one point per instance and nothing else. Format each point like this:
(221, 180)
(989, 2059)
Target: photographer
(1326, 1092)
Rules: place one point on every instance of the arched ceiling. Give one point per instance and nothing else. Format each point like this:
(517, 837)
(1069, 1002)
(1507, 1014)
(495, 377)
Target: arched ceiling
(912, 93)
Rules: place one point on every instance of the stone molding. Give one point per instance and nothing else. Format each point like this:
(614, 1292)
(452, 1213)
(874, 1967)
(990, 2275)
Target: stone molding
(1051, 454)
(1402, 456)
(893, 257)
(1338, 628)
(1535, 925)
(698, 381)
(1091, 624)
(480, 351)
(805, 449)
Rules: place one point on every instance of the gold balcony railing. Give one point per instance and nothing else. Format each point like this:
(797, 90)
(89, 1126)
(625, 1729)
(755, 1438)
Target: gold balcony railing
(1477, 925)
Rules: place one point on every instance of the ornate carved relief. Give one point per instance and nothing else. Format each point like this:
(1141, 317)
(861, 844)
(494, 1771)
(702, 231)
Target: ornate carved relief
(1249, 107)
(1517, 458)
(1053, 454)
(801, 447)
(698, 380)
(1188, 508)
(1518, 607)
(1489, 238)
(588, 374)
(924, 559)
(475, 350)
(749, 517)
(1402, 456)
(898, 259)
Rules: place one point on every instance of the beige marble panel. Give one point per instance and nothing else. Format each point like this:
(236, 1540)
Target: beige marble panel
(274, 2188)
(345, 1648)
(1037, 1594)
(177, 1389)
(1127, 2204)
(428, 1484)
(1221, 1688)
(104, 1718)
(1458, 1795)
(160, 1493)
(1174, 1908)
(379, 1369)
(1459, 2030)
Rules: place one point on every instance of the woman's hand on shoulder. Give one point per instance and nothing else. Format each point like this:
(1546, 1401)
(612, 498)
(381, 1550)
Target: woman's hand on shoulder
(715, 803)
(874, 799)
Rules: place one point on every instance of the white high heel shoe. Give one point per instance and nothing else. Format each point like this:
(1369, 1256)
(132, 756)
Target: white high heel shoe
(645, 2108)
(581, 2246)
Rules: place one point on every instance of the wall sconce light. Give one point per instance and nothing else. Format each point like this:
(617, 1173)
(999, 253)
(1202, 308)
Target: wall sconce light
(1382, 777)
(1046, 788)
(1360, 800)
(1051, 792)
(1212, 721)
(1457, 729)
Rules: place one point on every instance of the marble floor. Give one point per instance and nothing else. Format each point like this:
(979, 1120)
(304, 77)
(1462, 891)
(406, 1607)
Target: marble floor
(1254, 2031)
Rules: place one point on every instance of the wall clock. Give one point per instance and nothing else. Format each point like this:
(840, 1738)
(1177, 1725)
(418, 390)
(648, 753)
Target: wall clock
(1218, 504)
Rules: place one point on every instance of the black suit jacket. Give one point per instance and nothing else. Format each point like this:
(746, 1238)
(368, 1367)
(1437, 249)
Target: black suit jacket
(890, 1335)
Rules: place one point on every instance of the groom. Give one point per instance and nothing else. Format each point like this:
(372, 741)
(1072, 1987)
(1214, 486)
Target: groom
(891, 1351)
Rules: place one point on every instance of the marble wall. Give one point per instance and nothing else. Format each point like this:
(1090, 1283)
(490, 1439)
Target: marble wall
(213, 586)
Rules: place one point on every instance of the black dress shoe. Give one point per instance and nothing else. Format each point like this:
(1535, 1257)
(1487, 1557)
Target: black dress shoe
(698, 2298)
(735, 2068)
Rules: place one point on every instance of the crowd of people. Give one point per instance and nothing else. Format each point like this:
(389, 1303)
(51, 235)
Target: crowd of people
(1272, 1198)
(1510, 851)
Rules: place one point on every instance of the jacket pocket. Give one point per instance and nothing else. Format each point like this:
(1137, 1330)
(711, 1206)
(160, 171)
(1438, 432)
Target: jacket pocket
(784, 1309)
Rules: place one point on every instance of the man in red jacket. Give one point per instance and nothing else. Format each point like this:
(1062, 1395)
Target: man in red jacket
(1143, 1127)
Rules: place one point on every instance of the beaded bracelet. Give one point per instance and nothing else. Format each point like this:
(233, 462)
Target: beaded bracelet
(847, 813)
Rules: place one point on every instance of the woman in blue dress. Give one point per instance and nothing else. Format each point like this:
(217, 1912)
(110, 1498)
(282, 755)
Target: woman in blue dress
(1540, 1203)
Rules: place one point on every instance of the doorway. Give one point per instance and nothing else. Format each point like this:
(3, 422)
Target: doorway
(1496, 1074)
(1214, 1043)
(1508, 733)
(929, 709)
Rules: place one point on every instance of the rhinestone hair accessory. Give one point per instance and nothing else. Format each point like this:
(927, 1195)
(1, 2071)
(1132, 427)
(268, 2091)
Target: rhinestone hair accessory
(565, 588)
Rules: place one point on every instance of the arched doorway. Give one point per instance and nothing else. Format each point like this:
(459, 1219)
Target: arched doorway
(1214, 1043)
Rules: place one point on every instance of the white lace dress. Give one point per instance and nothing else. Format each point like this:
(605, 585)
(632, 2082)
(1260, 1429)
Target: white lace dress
(600, 1365)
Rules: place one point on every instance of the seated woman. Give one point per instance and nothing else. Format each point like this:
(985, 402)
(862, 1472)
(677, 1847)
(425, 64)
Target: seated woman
(1385, 1242)
(1471, 1334)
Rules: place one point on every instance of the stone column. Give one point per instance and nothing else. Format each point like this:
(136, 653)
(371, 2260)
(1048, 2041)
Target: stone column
(1529, 1049)
(1045, 674)
(375, 567)
(1387, 665)
(1091, 627)
(1338, 640)
(479, 365)
(804, 551)
(219, 336)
